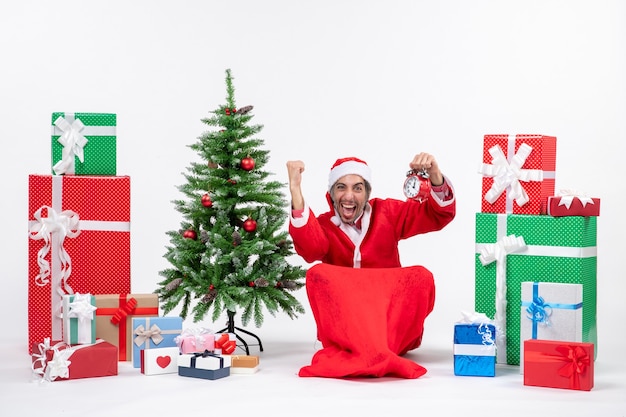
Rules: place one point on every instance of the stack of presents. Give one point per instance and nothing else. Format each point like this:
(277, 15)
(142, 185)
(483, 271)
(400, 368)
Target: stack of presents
(535, 271)
(83, 318)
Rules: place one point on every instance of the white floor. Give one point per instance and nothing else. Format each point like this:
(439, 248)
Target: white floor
(276, 390)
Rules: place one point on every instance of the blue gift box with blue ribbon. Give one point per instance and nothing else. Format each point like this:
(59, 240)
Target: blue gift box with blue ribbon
(474, 349)
(550, 311)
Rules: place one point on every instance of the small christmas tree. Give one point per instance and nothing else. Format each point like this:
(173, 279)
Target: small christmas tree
(231, 251)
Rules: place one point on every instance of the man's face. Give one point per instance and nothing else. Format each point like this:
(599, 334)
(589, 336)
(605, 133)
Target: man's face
(349, 195)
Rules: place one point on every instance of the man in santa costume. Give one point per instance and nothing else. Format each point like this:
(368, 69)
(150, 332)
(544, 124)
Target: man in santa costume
(369, 310)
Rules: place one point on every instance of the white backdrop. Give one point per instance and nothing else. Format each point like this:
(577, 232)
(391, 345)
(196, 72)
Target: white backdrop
(377, 80)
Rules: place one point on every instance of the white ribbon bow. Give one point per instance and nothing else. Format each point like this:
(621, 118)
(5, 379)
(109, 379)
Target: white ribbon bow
(199, 336)
(73, 143)
(81, 308)
(65, 224)
(57, 367)
(567, 196)
(507, 175)
(482, 320)
(498, 252)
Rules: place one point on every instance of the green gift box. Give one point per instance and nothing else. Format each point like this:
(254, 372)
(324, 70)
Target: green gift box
(84, 143)
(513, 248)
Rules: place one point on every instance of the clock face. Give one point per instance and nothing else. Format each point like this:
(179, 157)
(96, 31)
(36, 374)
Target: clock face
(411, 186)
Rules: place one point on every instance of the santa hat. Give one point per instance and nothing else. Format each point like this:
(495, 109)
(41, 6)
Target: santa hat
(347, 166)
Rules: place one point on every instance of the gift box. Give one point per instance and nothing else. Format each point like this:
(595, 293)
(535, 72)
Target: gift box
(79, 324)
(518, 173)
(474, 349)
(159, 361)
(56, 360)
(559, 364)
(551, 311)
(226, 343)
(84, 143)
(114, 316)
(243, 364)
(79, 242)
(195, 340)
(511, 249)
(204, 365)
(573, 205)
(154, 332)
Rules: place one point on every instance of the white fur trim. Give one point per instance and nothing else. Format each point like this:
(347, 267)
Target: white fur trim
(347, 168)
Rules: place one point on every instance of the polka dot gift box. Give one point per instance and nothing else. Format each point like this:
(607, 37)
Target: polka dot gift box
(511, 249)
(84, 143)
(518, 173)
(79, 242)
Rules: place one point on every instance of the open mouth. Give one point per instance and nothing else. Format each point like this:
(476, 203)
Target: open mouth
(348, 210)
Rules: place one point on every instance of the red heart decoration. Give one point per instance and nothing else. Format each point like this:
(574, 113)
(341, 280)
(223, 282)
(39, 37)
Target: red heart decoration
(163, 361)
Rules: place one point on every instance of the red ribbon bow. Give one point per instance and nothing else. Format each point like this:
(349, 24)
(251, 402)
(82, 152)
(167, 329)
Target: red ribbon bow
(576, 360)
(124, 311)
(226, 344)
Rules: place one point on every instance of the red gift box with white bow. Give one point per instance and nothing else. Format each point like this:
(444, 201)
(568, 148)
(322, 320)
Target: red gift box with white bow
(570, 203)
(518, 173)
(57, 361)
(79, 242)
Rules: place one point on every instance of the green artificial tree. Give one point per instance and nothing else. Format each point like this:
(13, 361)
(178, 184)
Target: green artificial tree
(230, 254)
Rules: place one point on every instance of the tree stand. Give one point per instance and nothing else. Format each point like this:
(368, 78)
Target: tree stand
(230, 328)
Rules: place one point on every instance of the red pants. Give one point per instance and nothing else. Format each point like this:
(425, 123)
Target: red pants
(367, 319)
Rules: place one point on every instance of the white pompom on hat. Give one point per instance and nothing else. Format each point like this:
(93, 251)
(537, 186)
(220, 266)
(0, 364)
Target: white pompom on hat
(347, 166)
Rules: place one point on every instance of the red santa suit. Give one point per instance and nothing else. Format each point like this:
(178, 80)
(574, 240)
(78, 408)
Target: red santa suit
(369, 310)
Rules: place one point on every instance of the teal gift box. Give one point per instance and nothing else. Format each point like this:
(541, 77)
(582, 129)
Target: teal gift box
(84, 143)
(79, 319)
(513, 248)
(154, 332)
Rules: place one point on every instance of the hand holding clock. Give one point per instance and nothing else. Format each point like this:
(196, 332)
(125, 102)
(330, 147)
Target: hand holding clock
(427, 162)
(424, 173)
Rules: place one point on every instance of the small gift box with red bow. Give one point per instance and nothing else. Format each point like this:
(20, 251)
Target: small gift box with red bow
(154, 332)
(558, 364)
(56, 360)
(195, 340)
(206, 365)
(226, 343)
(573, 203)
(159, 361)
(79, 324)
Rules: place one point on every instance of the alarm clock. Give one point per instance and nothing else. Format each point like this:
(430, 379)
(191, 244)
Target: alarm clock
(417, 185)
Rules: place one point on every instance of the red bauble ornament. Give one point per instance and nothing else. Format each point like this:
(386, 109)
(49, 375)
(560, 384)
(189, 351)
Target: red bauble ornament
(251, 284)
(206, 201)
(190, 234)
(211, 287)
(247, 163)
(249, 225)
